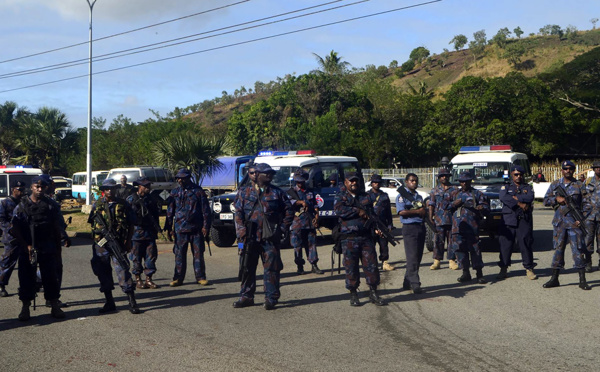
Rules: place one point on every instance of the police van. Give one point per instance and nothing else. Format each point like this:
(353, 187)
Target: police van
(9, 174)
(489, 167)
(285, 163)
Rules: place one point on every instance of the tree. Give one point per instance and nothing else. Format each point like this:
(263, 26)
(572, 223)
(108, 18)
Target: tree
(571, 32)
(10, 115)
(459, 41)
(552, 30)
(513, 53)
(477, 46)
(393, 64)
(332, 64)
(44, 137)
(408, 66)
(594, 21)
(501, 37)
(518, 32)
(192, 151)
(419, 54)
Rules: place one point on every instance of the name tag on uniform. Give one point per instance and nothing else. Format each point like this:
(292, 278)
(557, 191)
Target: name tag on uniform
(102, 242)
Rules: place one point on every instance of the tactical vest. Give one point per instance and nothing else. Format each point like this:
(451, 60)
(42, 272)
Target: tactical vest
(116, 221)
(39, 215)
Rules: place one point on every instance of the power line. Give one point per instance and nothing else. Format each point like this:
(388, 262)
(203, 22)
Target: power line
(231, 45)
(126, 32)
(122, 53)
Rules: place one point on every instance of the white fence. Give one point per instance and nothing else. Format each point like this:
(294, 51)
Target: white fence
(427, 176)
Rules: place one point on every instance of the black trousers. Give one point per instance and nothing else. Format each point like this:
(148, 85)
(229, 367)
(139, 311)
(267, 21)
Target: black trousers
(414, 243)
(47, 257)
(523, 234)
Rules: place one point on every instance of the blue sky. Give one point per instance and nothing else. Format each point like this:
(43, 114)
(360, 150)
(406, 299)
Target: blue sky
(35, 26)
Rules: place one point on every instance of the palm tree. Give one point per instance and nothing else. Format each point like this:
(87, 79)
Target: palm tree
(10, 114)
(332, 64)
(44, 137)
(194, 152)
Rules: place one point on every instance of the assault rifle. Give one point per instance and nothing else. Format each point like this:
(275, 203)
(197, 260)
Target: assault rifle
(571, 207)
(374, 222)
(33, 255)
(110, 242)
(145, 213)
(249, 243)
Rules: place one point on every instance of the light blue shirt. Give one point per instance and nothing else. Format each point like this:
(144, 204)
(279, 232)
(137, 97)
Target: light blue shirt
(403, 204)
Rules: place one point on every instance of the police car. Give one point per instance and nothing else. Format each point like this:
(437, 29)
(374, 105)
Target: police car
(391, 184)
(319, 168)
(9, 174)
(490, 168)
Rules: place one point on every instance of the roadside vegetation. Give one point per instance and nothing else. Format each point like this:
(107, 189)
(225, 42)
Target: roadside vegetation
(538, 93)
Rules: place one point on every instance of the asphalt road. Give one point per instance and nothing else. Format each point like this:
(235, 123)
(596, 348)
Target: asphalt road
(509, 325)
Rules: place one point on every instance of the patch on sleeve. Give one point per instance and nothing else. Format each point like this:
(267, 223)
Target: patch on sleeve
(503, 187)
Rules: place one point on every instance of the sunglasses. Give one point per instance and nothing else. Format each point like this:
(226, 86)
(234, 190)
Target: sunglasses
(570, 168)
(251, 172)
(517, 174)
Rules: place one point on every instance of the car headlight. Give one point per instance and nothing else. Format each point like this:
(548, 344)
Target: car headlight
(495, 204)
(217, 207)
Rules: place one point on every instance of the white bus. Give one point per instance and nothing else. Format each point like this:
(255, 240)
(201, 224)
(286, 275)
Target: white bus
(79, 188)
(9, 174)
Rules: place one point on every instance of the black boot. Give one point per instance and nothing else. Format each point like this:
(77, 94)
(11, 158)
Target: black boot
(25, 314)
(300, 270)
(133, 307)
(56, 311)
(465, 277)
(354, 298)
(316, 270)
(109, 305)
(480, 278)
(374, 297)
(3, 292)
(582, 282)
(553, 282)
(588, 267)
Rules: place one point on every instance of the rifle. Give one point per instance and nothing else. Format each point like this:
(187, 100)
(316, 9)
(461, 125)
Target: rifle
(145, 212)
(249, 242)
(571, 207)
(110, 242)
(311, 213)
(375, 223)
(33, 256)
(207, 240)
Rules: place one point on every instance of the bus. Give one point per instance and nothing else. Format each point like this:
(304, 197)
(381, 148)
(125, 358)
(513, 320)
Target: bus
(79, 188)
(9, 174)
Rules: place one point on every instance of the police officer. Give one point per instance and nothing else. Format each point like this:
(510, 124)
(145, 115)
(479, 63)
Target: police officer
(412, 211)
(303, 233)
(440, 215)
(353, 206)
(383, 209)
(468, 205)
(145, 233)
(266, 210)
(124, 189)
(517, 223)
(188, 222)
(566, 227)
(120, 218)
(36, 227)
(49, 192)
(11, 253)
(592, 212)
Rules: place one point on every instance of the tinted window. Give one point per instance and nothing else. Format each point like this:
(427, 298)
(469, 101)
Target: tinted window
(160, 175)
(131, 175)
(3, 186)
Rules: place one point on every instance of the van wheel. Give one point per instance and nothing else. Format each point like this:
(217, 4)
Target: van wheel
(222, 237)
(429, 238)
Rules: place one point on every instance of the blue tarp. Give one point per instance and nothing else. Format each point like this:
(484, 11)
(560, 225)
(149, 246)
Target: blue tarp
(225, 178)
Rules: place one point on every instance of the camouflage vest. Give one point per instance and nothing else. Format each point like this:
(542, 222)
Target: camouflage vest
(116, 219)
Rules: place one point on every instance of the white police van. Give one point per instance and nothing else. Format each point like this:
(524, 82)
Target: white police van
(490, 168)
(9, 174)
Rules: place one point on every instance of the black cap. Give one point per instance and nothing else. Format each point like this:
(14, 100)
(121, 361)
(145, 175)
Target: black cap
(376, 178)
(352, 176)
(18, 184)
(142, 181)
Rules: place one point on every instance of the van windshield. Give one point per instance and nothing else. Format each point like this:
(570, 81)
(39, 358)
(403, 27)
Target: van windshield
(484, 173)
(131, 175)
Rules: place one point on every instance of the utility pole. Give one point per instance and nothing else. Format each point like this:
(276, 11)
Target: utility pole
(88, 187)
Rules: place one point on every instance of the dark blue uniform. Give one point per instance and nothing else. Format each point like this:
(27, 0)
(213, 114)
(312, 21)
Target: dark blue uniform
(144, 234)
(592, 215)
(413, 234)
(45, 218)
(187, 214)
(259, 207)
(11, 251)
(357, 243)
(516, 224)
(383, 209)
